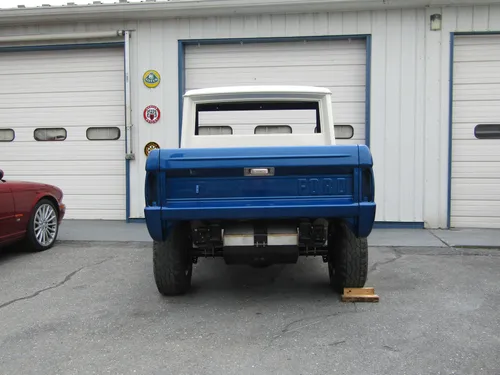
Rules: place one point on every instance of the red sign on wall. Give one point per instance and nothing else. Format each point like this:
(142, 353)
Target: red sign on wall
(152, 114)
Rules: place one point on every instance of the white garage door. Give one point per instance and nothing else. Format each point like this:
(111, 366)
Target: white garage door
(65, 111)
(339, 65)
(475, 184)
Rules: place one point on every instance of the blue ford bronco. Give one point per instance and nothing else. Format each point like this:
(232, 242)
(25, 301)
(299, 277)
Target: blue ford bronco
(259, 180)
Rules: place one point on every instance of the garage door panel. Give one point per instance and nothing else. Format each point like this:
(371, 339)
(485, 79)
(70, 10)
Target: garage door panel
(327, 47)
(484, 208)
(93, 213)
(477, 72)
(348, 113)
(98, 185)
(66, 99)
(105, 202)
(36, 63)
(248, 124)
(43, 151)
(476, 92)
(475, 172)
(487, 41)
(290, 57)
(74, 133)
(64, 167)
(482, 150)
(468, 188)
(476, 111)
(56, 82)
(475, 53)
(315, 76)
(476, 222)
(62, 116)
(465, 132)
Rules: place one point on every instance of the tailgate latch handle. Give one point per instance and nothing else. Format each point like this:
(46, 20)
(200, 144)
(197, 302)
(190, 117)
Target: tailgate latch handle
(259, 171)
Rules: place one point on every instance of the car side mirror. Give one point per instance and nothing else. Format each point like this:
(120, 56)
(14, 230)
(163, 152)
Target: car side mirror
(1, 174)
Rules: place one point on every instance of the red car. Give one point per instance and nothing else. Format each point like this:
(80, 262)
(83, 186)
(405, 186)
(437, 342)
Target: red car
(30, 213)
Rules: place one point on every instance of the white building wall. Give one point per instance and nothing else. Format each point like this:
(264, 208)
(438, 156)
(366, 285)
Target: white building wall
(409, 91)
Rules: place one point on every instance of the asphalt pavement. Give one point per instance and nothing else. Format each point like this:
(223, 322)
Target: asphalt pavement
(93, 308)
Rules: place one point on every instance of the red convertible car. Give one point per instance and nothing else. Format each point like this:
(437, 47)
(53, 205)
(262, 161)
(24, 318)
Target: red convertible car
(30, 213)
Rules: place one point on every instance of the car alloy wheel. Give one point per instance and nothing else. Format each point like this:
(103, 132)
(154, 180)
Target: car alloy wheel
(45, 224)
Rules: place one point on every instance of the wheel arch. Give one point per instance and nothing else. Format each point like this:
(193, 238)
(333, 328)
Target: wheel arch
(48, 197)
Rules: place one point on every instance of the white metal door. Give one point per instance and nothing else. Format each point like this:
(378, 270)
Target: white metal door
(475, 177)
(339, 65)
(67, 111)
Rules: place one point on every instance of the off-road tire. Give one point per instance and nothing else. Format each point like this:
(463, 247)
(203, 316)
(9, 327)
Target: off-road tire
(348, 259)
(172, 263)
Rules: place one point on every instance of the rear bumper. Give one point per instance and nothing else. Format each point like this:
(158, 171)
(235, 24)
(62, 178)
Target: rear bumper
(362, 214)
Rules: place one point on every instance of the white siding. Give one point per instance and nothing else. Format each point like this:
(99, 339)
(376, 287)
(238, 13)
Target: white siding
(409, 91)
(73, 90)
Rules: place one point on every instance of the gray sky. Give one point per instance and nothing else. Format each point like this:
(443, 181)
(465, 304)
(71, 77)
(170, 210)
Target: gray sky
(32, 3)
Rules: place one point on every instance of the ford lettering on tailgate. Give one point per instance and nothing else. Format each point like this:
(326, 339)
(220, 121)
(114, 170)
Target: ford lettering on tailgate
(323, 186)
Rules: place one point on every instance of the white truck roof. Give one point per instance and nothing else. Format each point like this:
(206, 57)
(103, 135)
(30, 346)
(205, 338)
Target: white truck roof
(267, 89)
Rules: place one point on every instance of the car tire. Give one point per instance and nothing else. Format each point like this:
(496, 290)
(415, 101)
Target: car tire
(172, 262)
(43, 221)
(348, 259)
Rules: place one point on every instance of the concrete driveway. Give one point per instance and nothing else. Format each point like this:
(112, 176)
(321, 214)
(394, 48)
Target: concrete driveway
(93, 308)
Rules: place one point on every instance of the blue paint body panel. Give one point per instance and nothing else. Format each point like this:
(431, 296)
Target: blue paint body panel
(307, 182)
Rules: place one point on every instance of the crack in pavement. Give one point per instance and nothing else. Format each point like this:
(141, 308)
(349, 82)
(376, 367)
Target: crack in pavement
(375, 266)
(439, 239)
(391, 349)
(319, 319)
(66, 279)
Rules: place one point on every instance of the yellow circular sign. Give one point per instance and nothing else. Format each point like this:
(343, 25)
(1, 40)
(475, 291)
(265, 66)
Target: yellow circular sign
(151, 79)
(150, 146)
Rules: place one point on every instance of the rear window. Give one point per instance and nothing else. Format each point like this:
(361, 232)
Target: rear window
(243, 118)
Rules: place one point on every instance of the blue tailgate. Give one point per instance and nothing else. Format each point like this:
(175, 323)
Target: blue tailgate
(304, 182)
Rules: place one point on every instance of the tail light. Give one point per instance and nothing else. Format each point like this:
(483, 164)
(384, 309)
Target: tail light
(151, 189)
(367, 186)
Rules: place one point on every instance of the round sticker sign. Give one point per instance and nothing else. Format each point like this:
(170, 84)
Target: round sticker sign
(152, 114)
(150, 146)
(151, 79)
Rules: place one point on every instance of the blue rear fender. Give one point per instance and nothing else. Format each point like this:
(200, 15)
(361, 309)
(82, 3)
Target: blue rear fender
(333, 182)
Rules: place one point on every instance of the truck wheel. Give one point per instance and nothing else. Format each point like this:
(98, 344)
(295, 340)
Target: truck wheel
(348, 259)
(172, 264)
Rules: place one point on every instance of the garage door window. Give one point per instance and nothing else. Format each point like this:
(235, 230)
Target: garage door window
(103, 134)
(344, 131)
(7, 135)
(273, 129)
(50, 134)
(216, 130)
(487, 131)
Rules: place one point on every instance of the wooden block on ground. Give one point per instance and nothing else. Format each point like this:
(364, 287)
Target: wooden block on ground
(359, 295)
